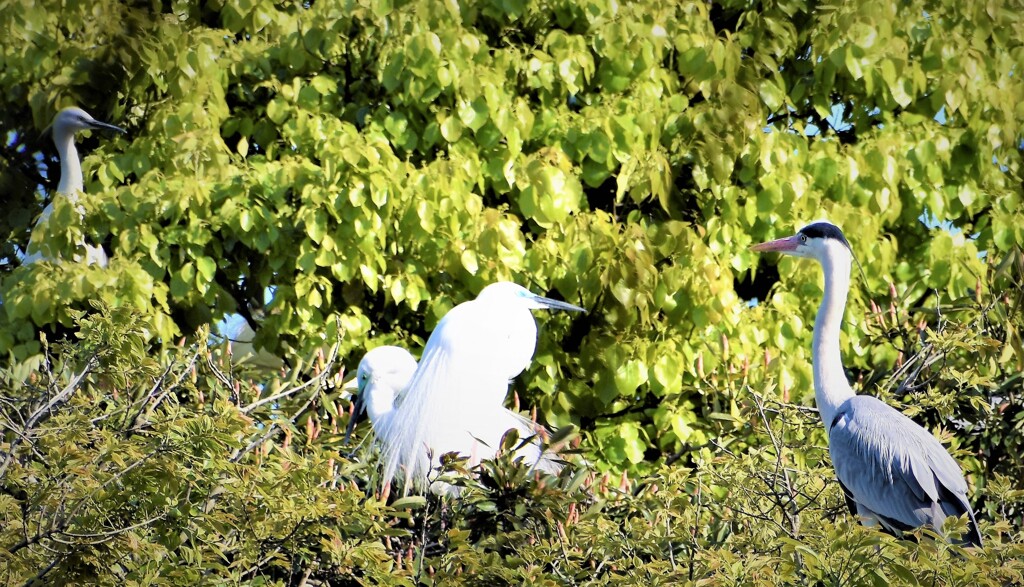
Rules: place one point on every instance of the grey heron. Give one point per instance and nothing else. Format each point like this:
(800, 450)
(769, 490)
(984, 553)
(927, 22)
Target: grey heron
(65, 124)
(383, 375)
(460, 384)
(892, 471)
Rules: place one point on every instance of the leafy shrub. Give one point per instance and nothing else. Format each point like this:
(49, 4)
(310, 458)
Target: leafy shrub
(376, 163)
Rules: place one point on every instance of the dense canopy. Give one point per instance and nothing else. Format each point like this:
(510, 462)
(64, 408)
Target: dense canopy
(373, 163)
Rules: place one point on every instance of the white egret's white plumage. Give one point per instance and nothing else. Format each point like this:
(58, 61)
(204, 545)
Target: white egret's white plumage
(460, 385)
(68, 122)
(237, 330)
(383, 375)
(893, 471)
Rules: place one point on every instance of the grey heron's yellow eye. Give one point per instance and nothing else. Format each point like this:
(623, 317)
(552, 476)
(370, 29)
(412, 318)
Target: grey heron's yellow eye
(803, 239)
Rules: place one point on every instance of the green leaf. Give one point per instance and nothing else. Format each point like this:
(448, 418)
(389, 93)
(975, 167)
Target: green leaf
(668, 373)
(412, 502)
(469, 261)
(629, 376)
(207, 268)
(451, 129)
(772, 96)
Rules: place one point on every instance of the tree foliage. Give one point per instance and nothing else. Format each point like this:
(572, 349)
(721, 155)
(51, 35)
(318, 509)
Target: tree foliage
(377, 162)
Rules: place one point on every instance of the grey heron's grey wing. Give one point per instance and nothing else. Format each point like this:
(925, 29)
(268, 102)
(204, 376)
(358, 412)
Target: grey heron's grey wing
(889, 525)
(850, 503)
(893, 466)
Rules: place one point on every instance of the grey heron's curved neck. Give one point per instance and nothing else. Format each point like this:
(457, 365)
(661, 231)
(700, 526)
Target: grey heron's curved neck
(71, 182)
(831, 387)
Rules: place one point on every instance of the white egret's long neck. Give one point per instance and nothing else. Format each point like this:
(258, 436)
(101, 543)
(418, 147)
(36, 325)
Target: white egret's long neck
(380, 402)
(70, 167)
(831, 388)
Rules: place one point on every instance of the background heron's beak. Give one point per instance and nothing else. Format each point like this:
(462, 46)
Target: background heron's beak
(782, 245)
(103, 125)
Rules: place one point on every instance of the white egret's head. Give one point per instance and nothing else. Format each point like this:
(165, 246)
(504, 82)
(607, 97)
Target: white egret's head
(506, 292)
(817, 240)
(383, 373)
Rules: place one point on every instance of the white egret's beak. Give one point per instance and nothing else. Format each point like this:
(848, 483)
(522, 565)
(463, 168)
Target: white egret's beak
(358, 408)
(550, 304)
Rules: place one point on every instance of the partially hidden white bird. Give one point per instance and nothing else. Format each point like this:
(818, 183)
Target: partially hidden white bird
(65, 124)
(237, 330)
(892, 471)
(384, 374)
(454, 400)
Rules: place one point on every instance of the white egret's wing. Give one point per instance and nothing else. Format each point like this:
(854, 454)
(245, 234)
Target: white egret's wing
(237, 330)
(531, 452)
(894, 467)
(489, 431)
(95, 255)
(462, 376)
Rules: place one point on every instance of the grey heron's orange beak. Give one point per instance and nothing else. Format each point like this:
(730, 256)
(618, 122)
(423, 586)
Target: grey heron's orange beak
(782, 245)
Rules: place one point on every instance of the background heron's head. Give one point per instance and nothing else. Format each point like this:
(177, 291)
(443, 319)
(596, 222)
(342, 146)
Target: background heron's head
(74, 119)
(815, 241)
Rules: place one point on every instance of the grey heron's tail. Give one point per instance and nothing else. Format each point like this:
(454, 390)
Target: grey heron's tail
(957, 505)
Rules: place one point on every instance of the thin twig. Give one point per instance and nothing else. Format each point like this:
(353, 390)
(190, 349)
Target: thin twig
(280, 395)
(42, 572)
(152, 405)
(39, 414)
(102, 536)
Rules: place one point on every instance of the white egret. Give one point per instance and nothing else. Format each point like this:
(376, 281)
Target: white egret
(892, 471)
(461, 382)
(383, 375)
(68, 122)
(236, 329)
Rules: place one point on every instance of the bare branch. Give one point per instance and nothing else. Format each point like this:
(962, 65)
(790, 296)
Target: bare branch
(95, 538)
(41, 413)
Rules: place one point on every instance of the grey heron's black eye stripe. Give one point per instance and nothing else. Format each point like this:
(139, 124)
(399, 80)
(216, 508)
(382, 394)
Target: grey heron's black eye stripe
(824, 230)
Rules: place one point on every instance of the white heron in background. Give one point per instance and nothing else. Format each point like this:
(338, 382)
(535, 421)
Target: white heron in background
(65, 124)
(383, 375)
(236, 329)
(454, 400)
(892, 471)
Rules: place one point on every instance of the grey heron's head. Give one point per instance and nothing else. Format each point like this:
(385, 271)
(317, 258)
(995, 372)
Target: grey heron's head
(817, 240)
(506, 294)
(71, 120)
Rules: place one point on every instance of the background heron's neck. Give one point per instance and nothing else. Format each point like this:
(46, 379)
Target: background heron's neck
(831, 388)
(70, 166)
